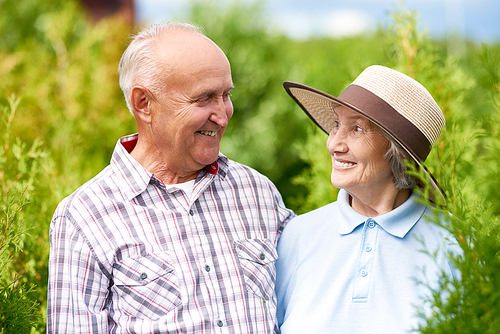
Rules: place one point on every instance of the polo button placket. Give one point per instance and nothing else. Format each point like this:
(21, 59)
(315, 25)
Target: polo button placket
(362, 278)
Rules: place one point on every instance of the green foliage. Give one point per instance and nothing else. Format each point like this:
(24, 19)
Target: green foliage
(19, 168)
(17, 311)
(469, 167)
(64, 69)
(70, 88)
(316, 178)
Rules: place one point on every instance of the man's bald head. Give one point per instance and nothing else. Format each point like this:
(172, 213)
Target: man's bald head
(156, 52)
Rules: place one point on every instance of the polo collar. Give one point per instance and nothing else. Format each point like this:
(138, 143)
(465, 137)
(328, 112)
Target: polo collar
(397, 222)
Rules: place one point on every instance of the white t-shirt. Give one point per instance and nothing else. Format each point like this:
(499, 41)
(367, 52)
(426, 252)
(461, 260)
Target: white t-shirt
(187, 187)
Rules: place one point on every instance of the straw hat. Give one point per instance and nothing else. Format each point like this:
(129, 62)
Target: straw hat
(395, 102)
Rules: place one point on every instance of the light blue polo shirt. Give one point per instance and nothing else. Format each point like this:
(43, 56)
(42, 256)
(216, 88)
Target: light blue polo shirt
(341, 272)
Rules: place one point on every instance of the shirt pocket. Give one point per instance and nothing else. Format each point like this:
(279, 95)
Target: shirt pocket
(257, 258)
(147, 286)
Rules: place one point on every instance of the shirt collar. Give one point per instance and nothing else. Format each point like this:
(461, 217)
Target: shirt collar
(397, 222)
(136, 178)
(133, 176)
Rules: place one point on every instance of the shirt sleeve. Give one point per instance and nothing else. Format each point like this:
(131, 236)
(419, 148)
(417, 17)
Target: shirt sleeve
(284, 214)
(77, 288)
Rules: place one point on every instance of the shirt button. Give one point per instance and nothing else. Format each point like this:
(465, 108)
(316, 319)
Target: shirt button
(363, 273)
(262, 256)
(191, 212)
(144, 276)
(220, 323)
(207, 268)
(368, 248)
(371, 223)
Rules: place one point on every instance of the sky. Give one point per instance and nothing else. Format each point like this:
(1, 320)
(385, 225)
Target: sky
(477, 20)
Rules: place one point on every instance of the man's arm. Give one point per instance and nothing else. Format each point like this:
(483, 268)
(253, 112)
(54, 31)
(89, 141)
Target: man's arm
(77, 288)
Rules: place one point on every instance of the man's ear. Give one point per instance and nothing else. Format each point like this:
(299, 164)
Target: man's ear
(141, 100)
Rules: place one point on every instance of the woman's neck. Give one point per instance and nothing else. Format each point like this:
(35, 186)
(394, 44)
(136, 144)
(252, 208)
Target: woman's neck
(373, 205)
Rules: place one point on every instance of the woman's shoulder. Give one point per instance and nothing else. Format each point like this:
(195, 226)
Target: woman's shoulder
(314, 219)
(321, 212)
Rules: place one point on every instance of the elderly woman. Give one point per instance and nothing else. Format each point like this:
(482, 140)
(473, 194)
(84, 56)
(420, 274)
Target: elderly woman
(357, 265)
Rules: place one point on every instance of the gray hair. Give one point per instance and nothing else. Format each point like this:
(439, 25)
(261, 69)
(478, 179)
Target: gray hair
(139, 64)
(396, 156)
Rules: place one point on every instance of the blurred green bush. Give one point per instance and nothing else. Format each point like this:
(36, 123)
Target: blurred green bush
(63, 112)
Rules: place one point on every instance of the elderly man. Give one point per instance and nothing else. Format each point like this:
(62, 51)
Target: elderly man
(172, 236)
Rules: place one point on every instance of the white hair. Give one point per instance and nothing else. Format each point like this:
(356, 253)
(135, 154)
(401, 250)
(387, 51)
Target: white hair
(396, 156)
(139, 64)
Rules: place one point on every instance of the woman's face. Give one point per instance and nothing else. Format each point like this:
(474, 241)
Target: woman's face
(357, 147)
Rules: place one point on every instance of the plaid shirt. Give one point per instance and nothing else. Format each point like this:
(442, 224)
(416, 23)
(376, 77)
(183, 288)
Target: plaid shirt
(129, 255)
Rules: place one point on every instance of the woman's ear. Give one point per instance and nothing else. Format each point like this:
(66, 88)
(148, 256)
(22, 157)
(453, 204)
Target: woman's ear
(141, 100)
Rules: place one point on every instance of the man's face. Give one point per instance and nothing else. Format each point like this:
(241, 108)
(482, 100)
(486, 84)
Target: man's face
(194, 106)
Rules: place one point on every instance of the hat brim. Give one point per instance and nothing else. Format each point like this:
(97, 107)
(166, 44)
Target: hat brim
(322, 114)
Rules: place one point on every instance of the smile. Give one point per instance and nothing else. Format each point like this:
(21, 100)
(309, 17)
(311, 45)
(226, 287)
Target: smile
(209, 133)
(343, 164)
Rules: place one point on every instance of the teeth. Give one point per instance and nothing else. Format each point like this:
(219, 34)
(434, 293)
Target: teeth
(209, 133)
(343, 164)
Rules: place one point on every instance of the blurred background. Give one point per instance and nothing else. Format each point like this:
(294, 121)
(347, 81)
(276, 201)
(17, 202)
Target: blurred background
(62, 112)
(474, 20)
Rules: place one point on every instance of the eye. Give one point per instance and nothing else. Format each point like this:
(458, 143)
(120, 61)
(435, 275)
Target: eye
(226, 96)
(357, 128)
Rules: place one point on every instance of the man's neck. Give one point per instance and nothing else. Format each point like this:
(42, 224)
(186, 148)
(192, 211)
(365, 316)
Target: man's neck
(152, 159)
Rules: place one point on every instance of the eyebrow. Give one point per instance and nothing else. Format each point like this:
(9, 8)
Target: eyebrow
(213, 92)
(358, 117)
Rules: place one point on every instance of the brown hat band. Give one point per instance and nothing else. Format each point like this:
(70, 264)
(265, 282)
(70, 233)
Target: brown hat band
(388, 118)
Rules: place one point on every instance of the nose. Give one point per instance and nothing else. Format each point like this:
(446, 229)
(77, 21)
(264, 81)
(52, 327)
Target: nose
(222, 112)
(337, 140)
